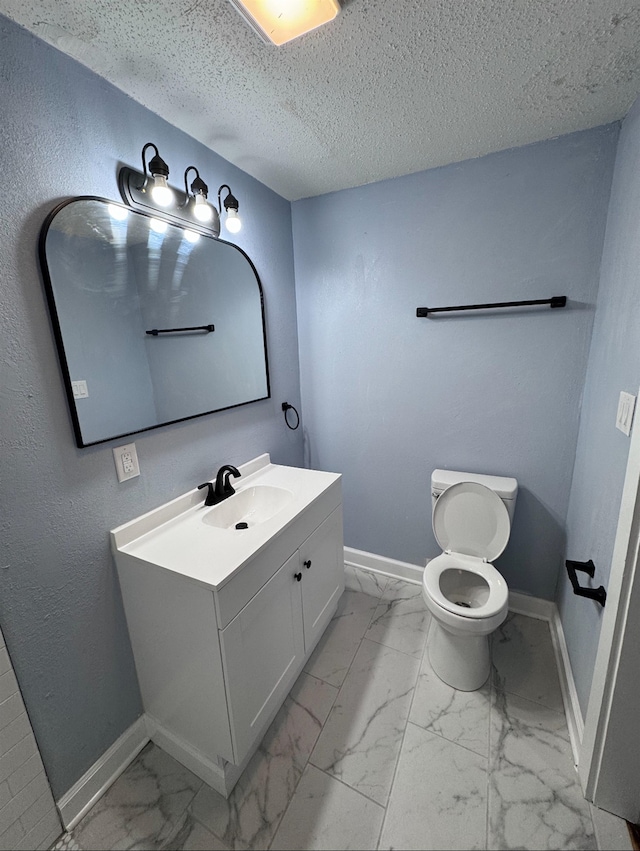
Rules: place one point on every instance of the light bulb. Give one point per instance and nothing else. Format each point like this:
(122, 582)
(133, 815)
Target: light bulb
(119, 214)
(202, 210)
(233, 222)
(161, 193)
(158, 225)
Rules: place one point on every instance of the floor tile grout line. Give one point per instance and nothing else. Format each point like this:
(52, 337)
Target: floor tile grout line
(339, 687)
(404, 733)
(445, 739)
(531, 700)
(337, 695)
(195, 819)
(337, 780)
(295, 787)
(492, 690)
(393, 780)
(391, 647)
(175, 823)
(308, 761)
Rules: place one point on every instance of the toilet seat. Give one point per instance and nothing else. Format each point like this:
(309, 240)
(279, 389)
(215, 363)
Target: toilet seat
(471, 519)
(471, 524)
(498, 591)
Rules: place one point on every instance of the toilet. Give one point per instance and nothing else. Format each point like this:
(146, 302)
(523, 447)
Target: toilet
(466, 595)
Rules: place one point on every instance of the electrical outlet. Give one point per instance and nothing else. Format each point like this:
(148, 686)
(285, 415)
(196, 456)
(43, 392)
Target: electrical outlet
(126, 461)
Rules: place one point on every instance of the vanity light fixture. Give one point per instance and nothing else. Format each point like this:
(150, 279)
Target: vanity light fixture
(232, 222)
(190, 208)
(202, 209)
(280, 21)
(161, 193)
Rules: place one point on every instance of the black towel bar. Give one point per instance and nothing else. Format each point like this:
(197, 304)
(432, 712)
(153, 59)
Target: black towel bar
(597, 594)
(155, 331)
(556, 301)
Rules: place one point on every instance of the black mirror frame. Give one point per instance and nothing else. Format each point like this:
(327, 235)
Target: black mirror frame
(57, 330)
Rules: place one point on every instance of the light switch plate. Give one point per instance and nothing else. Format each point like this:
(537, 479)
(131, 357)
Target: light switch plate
(624, 417)
(80, 390)
(126, 461)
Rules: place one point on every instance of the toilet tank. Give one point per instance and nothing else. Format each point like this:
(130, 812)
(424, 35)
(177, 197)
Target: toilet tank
(506, 488)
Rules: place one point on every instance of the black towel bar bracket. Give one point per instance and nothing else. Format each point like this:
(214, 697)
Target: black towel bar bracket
(597, 594)
(155, 331)
(556, 301)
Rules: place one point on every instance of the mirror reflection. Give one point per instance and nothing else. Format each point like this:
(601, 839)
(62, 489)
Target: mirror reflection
(154, 323)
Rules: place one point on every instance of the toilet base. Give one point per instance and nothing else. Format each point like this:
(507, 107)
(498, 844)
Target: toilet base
(461, 661)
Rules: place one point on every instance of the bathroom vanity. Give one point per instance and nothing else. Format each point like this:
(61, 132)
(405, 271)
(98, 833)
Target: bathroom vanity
(221, 619)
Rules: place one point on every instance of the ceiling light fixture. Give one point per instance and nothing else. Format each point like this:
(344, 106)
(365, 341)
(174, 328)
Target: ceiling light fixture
(161, 193)
(232, 222)
(280, 21)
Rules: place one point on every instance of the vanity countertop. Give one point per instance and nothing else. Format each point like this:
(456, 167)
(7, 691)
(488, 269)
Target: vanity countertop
(176, 537)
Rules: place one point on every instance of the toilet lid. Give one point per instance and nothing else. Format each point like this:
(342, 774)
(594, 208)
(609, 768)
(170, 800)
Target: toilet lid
(471, 519)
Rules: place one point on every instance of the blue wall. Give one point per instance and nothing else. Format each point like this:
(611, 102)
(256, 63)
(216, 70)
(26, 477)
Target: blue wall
(602, 450)
(388, 397)
(64, 132)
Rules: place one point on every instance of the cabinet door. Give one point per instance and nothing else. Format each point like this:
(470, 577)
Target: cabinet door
(262, 652)
(322, 567)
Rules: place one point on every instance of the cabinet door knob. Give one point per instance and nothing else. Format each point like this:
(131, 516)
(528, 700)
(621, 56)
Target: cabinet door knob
(298, 576)
(307, 563)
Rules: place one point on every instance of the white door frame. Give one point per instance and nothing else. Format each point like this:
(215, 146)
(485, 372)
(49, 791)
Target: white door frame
(609, 759)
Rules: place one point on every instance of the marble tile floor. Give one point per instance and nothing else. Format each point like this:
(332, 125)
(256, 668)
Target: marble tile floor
(372, 751)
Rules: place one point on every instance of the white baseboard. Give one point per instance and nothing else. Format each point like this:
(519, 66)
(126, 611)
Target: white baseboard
(383, 565)
(546, 610)
(204, 768)
(532, 607)
(79, 799)
(523, 604)
(573, 712)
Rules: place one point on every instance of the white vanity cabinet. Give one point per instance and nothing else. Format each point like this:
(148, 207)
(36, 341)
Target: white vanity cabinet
(321, 563)
(217, 649)
(292, 609)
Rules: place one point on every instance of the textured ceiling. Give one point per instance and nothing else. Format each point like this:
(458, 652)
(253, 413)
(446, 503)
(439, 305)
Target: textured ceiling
(388, 88)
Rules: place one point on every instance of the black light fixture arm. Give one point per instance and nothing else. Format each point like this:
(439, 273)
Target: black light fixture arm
(230, 202)
(198, 185)
(156, 164)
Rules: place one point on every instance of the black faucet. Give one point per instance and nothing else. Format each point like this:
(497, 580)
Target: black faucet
(223, 487)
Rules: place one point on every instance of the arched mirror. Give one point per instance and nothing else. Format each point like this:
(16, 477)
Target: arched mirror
(154, 323)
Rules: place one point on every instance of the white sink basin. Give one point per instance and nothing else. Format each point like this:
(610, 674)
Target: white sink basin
(200, 542)
(251, 505)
